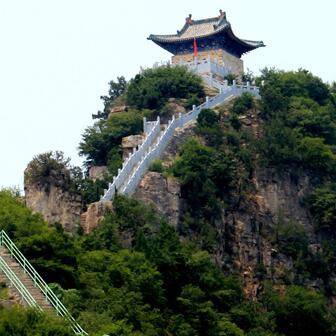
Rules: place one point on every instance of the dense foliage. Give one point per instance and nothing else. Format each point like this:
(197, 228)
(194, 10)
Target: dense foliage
(152, 88)
(322, 204)
(51, 168)
(19, 322)
(157, 285)
(300, 128)
(101, 142)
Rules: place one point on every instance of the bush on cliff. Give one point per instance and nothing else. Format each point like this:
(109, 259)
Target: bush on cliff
(299, 121)
(152, 88)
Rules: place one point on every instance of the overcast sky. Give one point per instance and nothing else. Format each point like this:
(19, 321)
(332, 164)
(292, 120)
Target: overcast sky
(57, 57)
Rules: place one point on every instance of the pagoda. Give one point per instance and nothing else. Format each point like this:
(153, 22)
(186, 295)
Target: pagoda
(207, 46)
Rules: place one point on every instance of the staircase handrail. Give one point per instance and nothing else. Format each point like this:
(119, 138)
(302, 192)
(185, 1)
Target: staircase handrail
(145, 153)
(39, 282)
(156, 150)
(16, 282)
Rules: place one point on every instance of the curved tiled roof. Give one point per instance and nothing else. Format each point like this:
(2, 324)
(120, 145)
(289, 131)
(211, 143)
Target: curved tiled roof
(204, 28)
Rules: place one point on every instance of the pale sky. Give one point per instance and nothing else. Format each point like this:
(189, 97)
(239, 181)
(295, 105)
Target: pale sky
(57, 57)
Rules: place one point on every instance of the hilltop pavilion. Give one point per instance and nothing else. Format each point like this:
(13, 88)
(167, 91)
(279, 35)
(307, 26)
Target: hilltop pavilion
(207, 45)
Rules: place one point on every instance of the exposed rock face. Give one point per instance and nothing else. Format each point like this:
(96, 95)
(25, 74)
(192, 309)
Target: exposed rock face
(246, 232)
(56, 206)
(129, 142)
(54, 201)
(176, 105)
(98, 172)
(283, 195)
(117, 109)
(94, 214)
(163, 193)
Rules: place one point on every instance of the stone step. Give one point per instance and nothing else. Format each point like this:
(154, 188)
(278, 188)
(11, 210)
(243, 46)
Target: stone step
(26, 280)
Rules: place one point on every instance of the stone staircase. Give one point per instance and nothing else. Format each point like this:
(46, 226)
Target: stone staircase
(28, 286)
(26, 281)
(158, 137)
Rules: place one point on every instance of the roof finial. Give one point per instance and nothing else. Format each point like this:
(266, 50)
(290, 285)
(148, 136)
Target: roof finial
(222, 14)
(189, 20)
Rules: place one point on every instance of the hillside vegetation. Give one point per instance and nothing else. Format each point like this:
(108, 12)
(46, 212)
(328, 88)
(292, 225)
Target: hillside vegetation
(158, 285)
(146, 95)
(137, 275)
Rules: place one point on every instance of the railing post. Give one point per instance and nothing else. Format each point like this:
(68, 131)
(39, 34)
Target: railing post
(193, 107)
(144, 124)
(207, 101)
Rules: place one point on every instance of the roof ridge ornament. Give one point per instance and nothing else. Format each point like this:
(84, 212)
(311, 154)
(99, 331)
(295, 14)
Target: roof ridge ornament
(189, 19)
(222, 14)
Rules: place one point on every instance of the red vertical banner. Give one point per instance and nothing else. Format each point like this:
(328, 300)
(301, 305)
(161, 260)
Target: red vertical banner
(195, 47)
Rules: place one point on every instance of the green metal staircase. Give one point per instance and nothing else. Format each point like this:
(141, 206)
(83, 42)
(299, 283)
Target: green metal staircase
(32, 289)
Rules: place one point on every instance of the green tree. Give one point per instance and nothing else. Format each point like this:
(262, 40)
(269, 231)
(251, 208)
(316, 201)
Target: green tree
(322, 204)
(152, 87)
(302, 311)
(100, 141)
(242, 104)
(21, 322)
(16, 219)
(116, 90)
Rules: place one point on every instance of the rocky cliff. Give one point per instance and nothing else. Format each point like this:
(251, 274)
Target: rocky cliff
(246, 241)
(53, 198)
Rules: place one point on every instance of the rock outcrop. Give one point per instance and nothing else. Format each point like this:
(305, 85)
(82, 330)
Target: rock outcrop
(161, 192)
(54, 199)
(164, 192)
(130, 142)
(98, 172)
(94, 214)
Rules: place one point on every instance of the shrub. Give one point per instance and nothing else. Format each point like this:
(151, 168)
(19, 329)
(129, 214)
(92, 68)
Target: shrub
(242, 104)
(193, 99)
(230, 78)
(152, 88)
(207, 118)
(315, 154)
(292, 239)
(16, 219)
(156, 166)
(49, 168)
(322, 204)
(99, 142)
